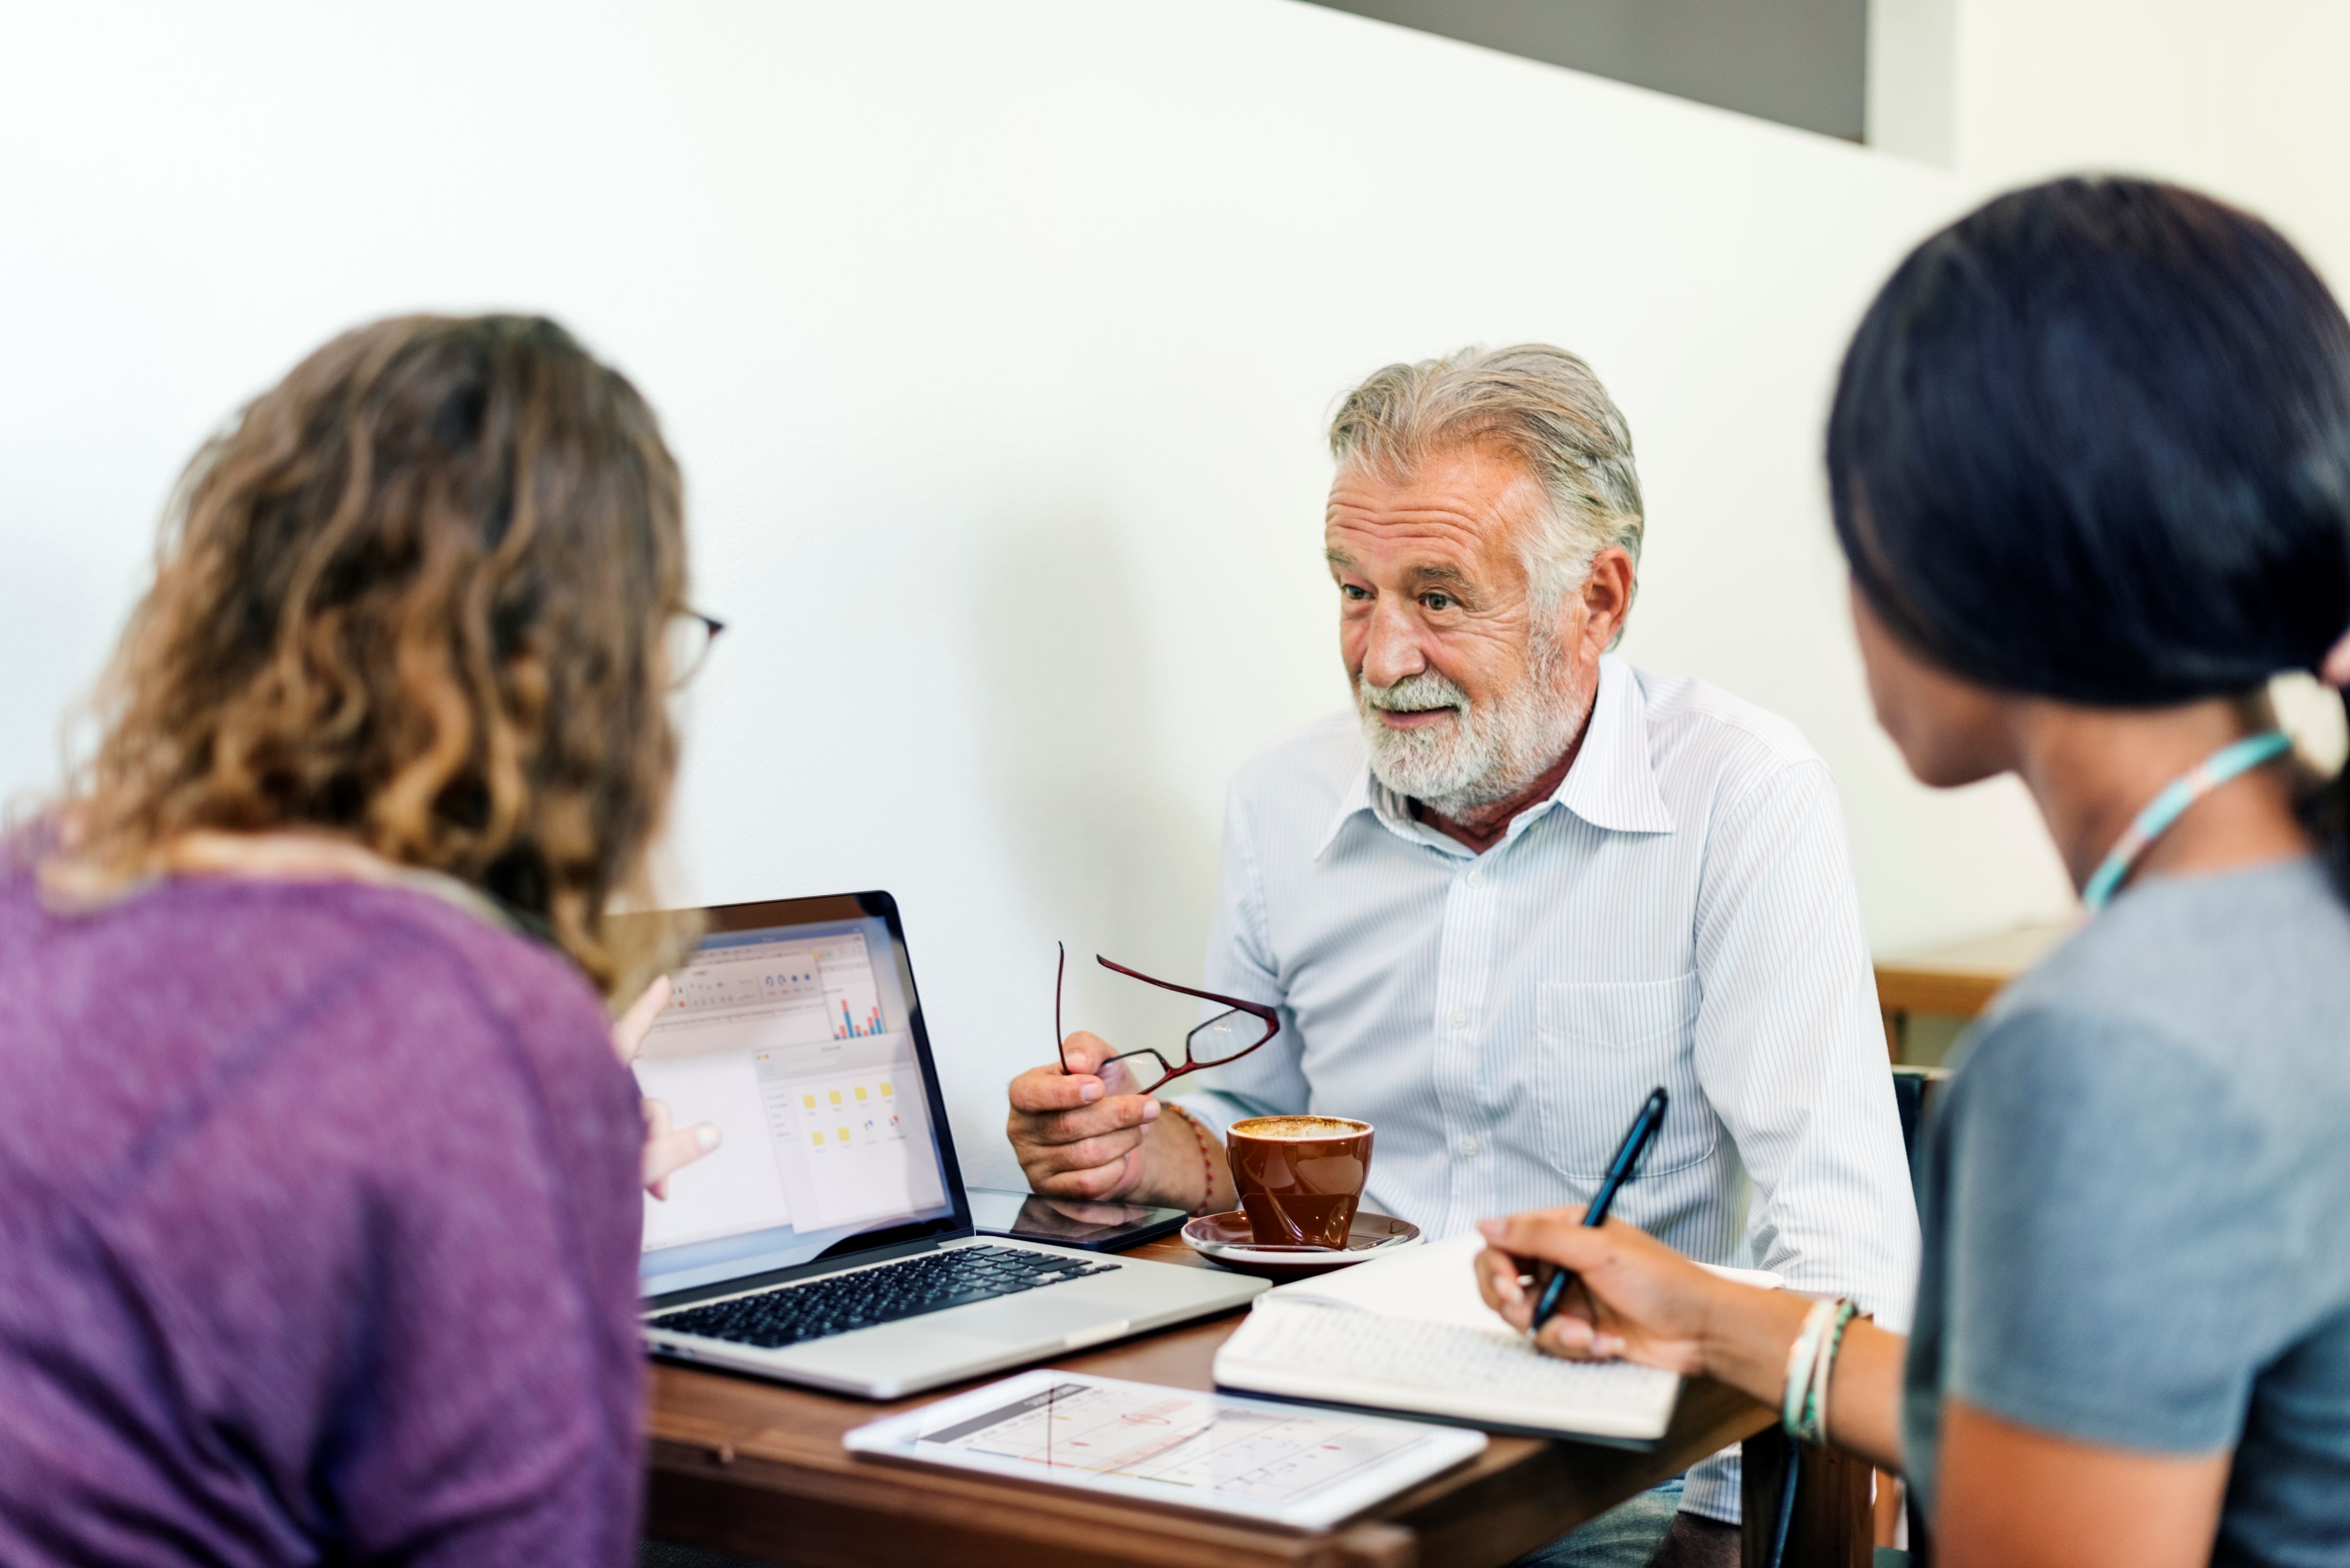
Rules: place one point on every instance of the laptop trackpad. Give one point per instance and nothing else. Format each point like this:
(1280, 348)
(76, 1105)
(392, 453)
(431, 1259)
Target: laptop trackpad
(1024, 1319)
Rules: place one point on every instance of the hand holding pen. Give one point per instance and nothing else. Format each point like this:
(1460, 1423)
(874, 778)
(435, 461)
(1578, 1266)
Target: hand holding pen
(1541, 1253)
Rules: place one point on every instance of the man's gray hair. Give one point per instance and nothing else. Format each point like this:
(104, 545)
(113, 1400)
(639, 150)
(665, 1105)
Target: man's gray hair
(1541, 404)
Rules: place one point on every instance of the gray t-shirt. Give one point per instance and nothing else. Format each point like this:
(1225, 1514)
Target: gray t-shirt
(2136, 1202)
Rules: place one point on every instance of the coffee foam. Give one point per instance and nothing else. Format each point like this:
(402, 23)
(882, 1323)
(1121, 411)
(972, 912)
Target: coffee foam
(1288, 1128)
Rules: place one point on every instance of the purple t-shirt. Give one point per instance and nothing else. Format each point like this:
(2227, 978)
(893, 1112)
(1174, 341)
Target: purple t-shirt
(318, 1233)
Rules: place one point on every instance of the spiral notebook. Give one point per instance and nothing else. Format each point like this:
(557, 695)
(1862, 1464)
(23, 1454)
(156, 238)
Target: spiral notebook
(1409, 1333)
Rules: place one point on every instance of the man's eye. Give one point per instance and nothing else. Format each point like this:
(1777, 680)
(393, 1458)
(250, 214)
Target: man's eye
(1350, 591)
(1437, 601)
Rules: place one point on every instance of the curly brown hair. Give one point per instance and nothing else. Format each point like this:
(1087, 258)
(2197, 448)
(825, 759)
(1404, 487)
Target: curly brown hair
(415, 599)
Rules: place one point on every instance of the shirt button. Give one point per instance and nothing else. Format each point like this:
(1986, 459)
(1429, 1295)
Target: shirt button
(1469, 1146)
(1477, 877)
(1460, 1021)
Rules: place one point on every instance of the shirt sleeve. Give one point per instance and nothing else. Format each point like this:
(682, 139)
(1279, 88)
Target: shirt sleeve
(1790, 1050)
(2116, 1269)
(1270, 1080)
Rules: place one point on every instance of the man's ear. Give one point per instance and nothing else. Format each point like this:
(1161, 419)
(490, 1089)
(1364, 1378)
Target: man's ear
(1607, 595)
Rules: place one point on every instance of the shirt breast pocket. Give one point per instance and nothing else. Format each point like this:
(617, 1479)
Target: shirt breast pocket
(1604, 1046)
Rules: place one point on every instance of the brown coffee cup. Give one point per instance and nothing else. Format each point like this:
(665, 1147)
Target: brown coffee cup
(1300, 1178)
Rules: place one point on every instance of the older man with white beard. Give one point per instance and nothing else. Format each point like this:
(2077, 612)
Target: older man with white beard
(1520, 886)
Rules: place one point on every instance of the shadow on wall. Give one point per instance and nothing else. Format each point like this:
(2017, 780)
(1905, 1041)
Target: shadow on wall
(1112, 860)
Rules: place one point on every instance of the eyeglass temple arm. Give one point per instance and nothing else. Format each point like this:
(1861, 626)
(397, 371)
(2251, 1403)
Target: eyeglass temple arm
(1268, 1014)
(1060, 1040)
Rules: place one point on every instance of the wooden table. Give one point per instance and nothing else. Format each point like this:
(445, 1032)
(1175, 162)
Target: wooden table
(1958, 981)
(755, 1468)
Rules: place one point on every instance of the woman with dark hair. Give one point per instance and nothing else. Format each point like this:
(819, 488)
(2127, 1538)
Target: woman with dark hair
(318, 1172)
(2090, 461)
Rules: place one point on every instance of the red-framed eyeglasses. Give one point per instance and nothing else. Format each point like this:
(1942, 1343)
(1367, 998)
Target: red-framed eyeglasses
(1227, 1037)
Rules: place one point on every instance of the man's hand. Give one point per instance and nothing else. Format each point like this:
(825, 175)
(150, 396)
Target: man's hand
(1085, 1132)
(668, 1149)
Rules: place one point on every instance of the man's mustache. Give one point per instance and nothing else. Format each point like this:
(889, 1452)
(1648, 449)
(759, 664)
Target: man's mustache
(1414, 693)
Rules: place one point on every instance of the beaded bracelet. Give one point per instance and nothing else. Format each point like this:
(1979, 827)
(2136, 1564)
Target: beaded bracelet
(1207, 1155)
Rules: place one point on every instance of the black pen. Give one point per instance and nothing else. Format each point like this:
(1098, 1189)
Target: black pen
(1620, 1170)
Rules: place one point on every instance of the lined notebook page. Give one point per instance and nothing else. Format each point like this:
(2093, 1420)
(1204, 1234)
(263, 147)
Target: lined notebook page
(1435, 1282)
(1410, 1333)
(1356, 1357)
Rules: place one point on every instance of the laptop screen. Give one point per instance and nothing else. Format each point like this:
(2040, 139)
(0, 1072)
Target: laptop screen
(801, 1039)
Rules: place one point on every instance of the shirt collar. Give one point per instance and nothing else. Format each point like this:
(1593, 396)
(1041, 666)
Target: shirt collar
(1612, 785)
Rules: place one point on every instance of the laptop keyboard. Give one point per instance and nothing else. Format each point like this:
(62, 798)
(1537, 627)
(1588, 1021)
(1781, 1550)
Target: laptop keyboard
(794, 1314)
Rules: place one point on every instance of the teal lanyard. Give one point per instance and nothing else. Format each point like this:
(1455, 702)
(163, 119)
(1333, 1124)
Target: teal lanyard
(2167, 808)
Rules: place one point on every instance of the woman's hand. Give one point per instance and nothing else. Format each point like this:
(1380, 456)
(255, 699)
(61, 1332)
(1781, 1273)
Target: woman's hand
(668, 1149)
(1637, 1299)
(1633, 1298)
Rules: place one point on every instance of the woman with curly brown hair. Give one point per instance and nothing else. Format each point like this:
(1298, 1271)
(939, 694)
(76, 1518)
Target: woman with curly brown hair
(317, 1173)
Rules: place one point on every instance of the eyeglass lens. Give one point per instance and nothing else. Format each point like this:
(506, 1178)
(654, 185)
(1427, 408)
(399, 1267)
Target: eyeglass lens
(1229, 1035)
(688, 639)
(1225, 1036)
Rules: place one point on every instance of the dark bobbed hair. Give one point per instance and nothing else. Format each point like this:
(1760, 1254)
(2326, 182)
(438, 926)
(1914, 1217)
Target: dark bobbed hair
(2092, 443)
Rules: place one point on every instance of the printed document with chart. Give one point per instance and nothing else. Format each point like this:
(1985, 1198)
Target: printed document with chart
(796, 1043)
(1176, 1446)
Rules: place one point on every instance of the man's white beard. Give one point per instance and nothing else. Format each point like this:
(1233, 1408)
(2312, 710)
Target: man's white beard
(1477, 757)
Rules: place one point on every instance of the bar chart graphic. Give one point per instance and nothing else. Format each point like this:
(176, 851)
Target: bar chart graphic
(812, 992)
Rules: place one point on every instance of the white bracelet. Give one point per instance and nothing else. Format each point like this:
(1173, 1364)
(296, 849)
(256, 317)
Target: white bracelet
(1801, 1358)
(1815, 1404)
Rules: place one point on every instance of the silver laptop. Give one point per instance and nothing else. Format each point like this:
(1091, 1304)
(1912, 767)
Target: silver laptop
(827, 1241)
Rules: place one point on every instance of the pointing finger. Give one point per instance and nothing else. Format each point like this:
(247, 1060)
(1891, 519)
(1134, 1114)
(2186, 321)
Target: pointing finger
(668, 1151)
(672, 1152)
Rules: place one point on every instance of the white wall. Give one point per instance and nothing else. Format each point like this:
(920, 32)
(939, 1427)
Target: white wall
(2244, 100)
(995, 339)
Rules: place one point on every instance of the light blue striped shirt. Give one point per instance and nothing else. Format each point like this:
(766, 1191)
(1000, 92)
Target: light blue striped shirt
(1681, 911)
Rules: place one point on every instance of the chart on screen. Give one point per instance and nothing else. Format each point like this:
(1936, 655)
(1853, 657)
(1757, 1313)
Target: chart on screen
(786, 1043)
(808, 990)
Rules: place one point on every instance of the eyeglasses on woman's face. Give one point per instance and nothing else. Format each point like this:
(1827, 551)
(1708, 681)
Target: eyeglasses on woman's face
(688, 638)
